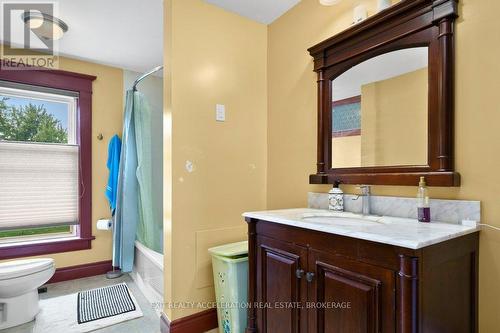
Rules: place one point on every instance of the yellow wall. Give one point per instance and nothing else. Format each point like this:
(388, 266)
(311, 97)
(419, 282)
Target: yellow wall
(107, 109)
(394, 120)
(346, 151)
(215, 57)
(292, 96)
(292, 120)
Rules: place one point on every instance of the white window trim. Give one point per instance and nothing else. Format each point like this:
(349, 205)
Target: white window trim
(40, 238)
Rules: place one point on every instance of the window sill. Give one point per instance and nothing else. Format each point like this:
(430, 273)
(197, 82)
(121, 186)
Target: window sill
(36, 248)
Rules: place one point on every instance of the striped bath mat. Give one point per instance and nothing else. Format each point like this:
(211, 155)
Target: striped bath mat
(87, 310)
(104, 302)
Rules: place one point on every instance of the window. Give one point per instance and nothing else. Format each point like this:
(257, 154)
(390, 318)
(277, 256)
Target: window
(38, 164)
(346, 117)
(45, 162)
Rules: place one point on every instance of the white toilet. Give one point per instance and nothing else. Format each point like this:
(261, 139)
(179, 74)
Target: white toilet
(19, 282)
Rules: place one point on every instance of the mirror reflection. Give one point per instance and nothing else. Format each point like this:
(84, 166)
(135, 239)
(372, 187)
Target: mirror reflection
(379, 111)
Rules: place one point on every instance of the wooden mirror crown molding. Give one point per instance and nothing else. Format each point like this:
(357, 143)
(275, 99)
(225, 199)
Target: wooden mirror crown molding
(409, 23)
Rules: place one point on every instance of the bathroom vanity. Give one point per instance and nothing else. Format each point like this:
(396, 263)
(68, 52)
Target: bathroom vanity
(385, 117)
(315, 271)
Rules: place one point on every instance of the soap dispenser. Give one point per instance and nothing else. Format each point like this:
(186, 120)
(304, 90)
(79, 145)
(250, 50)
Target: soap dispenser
(423, 207)
(336, 199)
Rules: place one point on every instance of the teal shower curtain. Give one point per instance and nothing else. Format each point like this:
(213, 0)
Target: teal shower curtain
(135, 217)
(150, 227)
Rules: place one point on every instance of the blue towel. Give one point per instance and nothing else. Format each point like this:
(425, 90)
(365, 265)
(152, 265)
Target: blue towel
(114, 151)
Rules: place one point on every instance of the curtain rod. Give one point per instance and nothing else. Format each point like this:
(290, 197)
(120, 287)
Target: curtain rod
(143, 76)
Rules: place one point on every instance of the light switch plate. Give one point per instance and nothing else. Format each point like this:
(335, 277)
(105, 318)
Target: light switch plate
(220, 112)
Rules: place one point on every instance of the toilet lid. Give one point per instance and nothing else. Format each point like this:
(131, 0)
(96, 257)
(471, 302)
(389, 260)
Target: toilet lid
(17, 268)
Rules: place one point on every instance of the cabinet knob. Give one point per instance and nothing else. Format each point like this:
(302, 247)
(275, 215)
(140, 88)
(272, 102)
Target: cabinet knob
(309, 276)
(299, 273)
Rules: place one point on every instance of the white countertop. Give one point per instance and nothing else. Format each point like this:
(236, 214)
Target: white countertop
(396, 231)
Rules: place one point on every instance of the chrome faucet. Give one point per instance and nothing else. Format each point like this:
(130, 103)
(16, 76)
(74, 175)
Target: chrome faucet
(365, 197)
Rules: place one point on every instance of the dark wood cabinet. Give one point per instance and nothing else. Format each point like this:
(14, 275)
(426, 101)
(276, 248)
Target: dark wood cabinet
(307, 281)
(349, 296)
(281, 267)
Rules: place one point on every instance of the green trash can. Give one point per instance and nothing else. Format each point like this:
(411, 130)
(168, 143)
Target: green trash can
(230, 268)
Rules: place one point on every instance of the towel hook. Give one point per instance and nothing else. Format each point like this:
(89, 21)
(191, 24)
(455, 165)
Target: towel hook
(100, 137)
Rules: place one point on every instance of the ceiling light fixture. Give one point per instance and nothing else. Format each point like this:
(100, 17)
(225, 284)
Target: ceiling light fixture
(44, 25)
(329, 2)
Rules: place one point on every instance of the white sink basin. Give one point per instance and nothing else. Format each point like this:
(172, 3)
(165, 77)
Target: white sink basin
(343, 218)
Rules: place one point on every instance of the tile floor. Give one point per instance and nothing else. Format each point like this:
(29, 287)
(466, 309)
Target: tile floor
(149, 323)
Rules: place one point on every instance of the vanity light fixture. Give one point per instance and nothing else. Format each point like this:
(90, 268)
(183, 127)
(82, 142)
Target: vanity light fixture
(44, 25)
(329, 2)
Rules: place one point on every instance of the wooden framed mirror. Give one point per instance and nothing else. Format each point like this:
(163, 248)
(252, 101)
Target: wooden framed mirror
(385, 98)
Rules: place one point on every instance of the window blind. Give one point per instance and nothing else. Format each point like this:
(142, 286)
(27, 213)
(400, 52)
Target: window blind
(38, 185)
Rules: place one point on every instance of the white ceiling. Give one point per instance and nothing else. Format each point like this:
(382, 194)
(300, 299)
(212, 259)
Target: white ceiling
(129, 33)
(122, 33)
(263, 11)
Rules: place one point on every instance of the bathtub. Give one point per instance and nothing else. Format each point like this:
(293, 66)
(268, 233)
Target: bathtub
(148, 272)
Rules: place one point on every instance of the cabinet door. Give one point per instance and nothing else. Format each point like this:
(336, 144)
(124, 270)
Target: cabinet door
(281, 286)
(350, 296)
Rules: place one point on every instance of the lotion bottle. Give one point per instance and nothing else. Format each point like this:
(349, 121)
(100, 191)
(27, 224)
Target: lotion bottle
(423, 207)
(336, 199)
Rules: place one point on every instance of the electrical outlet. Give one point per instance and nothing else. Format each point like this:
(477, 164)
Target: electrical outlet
(469, 223)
